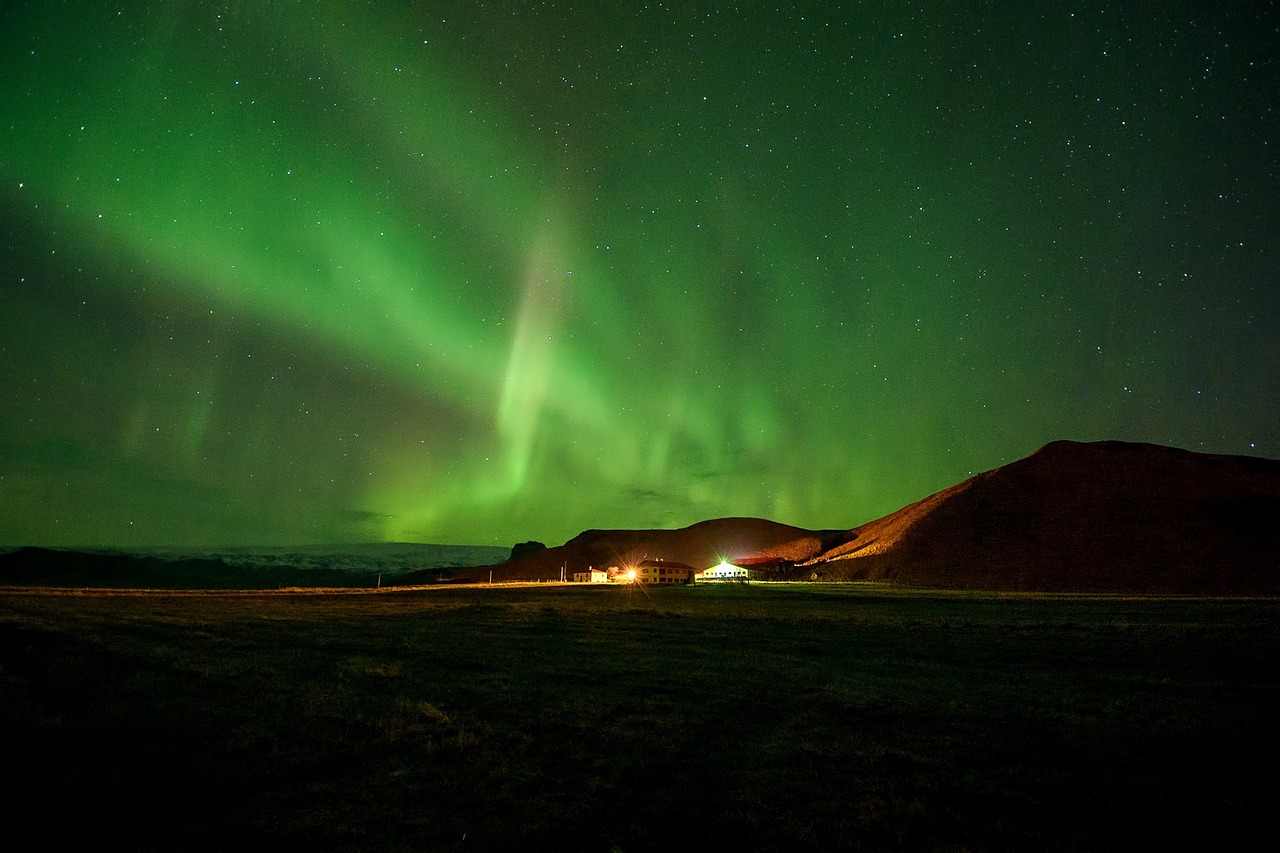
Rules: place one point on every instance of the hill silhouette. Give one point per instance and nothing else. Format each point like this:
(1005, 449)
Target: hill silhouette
(703, 544)
(1073, 517)
(1083, 517)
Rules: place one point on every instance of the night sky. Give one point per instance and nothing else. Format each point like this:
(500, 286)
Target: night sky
(339, 272)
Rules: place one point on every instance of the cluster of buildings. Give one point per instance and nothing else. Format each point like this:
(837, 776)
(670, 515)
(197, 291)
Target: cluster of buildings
(667, 572)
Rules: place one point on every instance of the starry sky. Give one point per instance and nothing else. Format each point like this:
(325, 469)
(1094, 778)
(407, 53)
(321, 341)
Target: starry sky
(303, 272)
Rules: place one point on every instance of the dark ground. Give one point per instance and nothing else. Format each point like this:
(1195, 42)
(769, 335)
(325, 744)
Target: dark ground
(595, 718)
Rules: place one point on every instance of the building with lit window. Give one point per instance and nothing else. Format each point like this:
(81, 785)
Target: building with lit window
(723, 573)
(663, 572)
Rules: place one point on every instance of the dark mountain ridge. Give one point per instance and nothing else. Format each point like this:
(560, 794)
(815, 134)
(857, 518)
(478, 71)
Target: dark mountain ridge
(1099, 517)
(1104, 516)
(703, 544)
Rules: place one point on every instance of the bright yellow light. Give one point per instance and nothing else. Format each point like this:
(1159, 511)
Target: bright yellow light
(631, 574)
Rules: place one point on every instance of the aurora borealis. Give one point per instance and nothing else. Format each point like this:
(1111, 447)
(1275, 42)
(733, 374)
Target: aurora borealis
(329, 272)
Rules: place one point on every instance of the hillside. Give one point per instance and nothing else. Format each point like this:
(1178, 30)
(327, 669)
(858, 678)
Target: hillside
(1072, 517)
(699, 545)
(1104, 516)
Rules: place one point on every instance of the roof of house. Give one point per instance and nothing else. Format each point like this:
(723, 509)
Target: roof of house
(667, 563)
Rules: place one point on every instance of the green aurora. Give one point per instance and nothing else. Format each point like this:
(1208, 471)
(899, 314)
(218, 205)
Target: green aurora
(323, 272)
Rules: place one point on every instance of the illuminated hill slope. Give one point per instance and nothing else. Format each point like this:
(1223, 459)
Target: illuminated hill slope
(1072, 517)
(1104, 516)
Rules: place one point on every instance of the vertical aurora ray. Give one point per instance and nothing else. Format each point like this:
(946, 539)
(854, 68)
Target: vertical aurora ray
(386, 239)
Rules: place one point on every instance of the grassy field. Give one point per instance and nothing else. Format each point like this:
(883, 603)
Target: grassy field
(769, 717)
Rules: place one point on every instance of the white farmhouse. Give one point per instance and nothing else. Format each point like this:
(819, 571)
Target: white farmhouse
(725, 571)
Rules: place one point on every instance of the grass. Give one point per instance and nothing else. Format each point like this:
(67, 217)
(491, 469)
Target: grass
(766, 717)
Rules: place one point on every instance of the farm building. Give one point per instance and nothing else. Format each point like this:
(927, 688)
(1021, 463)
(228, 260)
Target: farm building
(726, 572)
(591, 575)
(661, 571)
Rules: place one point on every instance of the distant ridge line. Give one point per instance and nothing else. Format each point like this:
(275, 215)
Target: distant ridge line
(1104, 516)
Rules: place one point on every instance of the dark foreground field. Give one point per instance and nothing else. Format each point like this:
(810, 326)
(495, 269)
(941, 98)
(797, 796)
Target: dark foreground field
(596, 718)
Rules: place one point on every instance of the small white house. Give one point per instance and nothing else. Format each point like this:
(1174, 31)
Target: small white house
(591, 575)
(725, 571)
